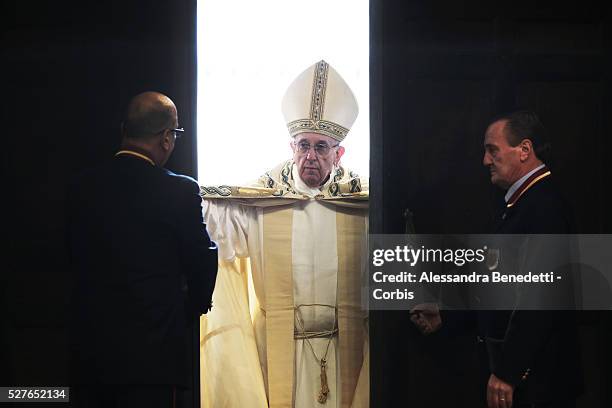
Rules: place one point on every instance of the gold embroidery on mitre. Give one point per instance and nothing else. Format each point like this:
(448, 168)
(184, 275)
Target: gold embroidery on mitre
(319, 86)
(323, 127)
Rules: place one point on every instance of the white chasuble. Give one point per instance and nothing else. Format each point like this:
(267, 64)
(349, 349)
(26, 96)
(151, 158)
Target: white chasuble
(263, 342)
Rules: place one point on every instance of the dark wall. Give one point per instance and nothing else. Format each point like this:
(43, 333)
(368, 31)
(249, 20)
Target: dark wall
(439, 71)
(446, 69)
(69, 69)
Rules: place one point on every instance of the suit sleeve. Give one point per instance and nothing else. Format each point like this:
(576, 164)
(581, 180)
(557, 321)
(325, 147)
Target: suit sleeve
(541, 312)
(527, 334)
(198, 253)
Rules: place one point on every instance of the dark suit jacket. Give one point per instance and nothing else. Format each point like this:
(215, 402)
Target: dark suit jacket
(541, 344)
(143, 267)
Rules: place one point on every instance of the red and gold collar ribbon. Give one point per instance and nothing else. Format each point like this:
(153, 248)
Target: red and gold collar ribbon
(527, 184)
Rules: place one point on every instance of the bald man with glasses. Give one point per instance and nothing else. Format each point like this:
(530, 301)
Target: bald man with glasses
(143, 266)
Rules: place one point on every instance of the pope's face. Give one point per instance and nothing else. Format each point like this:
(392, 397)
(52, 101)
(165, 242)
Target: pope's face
(315, 155)
(502, 159)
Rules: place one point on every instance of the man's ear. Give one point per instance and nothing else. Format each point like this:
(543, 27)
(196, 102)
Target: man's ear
(339, 154)
(526, 149)
(166, 141)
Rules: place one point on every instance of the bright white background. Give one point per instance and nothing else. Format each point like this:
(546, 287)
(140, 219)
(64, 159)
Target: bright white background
(249, 51)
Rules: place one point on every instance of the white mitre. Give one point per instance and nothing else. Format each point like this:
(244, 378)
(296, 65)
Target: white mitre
(320, 101)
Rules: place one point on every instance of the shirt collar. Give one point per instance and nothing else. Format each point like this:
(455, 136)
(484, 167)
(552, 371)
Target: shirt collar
(517, 184)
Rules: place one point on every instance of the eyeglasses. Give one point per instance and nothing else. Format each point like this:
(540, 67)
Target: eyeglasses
(321, 149)
(177, 132)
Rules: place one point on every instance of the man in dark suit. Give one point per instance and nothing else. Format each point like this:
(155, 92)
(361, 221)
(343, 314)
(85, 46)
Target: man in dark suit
(531, 355)
(143, 264)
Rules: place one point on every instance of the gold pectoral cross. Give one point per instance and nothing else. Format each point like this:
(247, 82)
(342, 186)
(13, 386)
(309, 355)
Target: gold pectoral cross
(324, 388)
